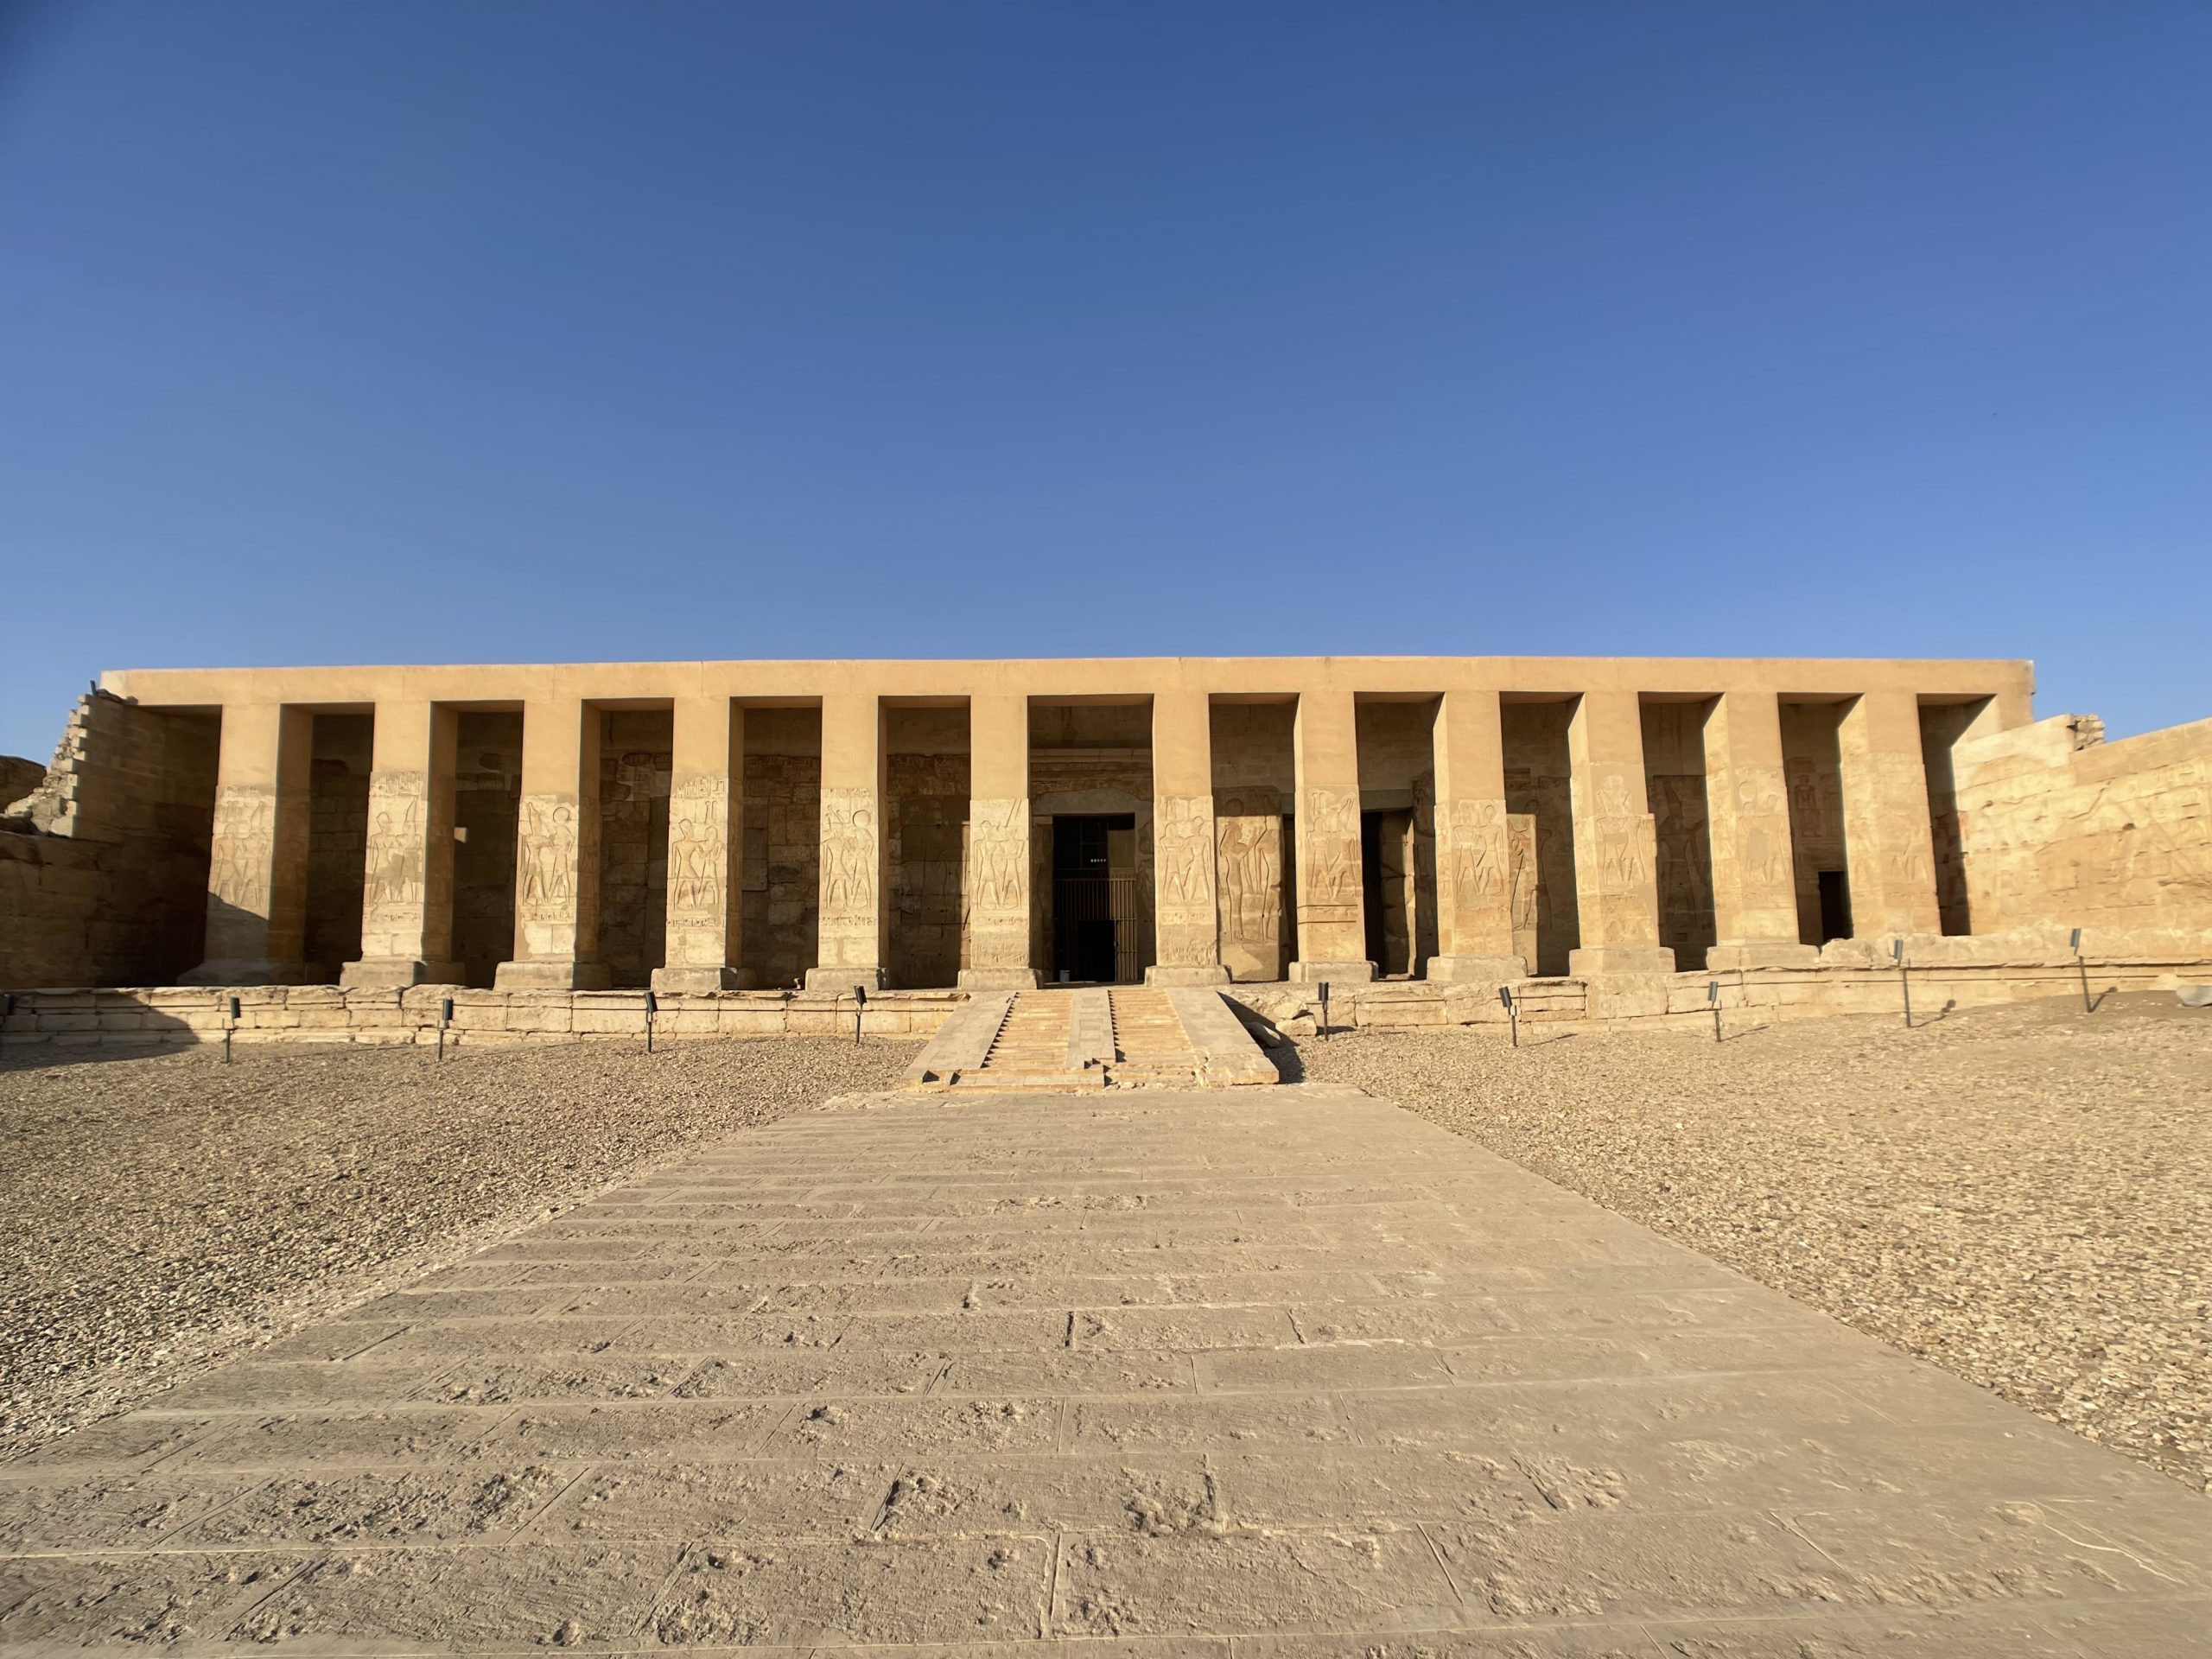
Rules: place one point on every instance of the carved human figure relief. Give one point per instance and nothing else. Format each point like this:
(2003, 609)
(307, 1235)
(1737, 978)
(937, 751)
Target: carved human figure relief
(1479, 875)
(549, 857)
(1329, 825)
(848, 853)
(1183, 847)
(697, 846)
(244, 843)
(1000, 882)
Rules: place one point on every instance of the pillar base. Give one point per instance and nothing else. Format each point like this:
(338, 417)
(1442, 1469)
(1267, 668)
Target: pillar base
(1474, 970)
(1620, 959)
(246, 971)
(1340, 973)
(381, 973)
(998, 979)
(1761, 953)
(552, 977)
(691, 981)
(1207, 974)
(844, 979)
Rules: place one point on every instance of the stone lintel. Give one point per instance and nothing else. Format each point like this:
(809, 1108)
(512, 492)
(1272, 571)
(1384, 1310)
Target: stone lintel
(1341, 973)
(372, 973)
(1474, 970)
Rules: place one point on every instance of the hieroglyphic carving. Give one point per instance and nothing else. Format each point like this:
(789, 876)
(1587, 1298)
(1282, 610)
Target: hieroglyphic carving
(1248, 867)
(398, 802)
(851, 851)
(1477, 833)
(698, 848)
(1328, 836)
(1525, 890)
(243, 846)
(998, 843)
(1185, 848)
(550, 841)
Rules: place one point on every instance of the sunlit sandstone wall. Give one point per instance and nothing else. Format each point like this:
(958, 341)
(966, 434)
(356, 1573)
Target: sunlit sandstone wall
(712, 825)
(2062, 830)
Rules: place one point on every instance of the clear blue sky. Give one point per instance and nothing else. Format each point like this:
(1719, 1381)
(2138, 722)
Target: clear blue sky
(548, 331)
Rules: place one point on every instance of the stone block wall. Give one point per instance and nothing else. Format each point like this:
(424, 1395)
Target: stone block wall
(487, 805)
(103, 867)
(2060, 829)
(779, 915)
(1538, 785)
(635, 755)
(338, 805)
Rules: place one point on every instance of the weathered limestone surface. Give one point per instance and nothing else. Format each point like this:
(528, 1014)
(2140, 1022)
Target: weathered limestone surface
(1186, 910)
(557, 847)
(1282, 1369)
(1474, 853)
(853, 869)
(257, 871)
(1885, 826)
(407, 901)
(1617, 892)
(1754, 883)
(706, 839)
(902, 825)
(2063, 829)
(1332, 926)
(999, 883)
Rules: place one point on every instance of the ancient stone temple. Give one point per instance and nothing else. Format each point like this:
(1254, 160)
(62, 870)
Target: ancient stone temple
(990, 825)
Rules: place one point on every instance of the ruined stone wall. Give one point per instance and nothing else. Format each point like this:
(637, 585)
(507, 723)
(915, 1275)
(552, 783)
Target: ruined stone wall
(1253, 784)
(634, 755)
(2062, 830)
(487, 803)
(779, 916)
(338, 839)
(105, 881)
(1538, 784)
(1673, 779)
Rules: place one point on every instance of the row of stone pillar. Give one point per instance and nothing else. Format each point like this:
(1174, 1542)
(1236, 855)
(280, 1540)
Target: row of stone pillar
(257, 899)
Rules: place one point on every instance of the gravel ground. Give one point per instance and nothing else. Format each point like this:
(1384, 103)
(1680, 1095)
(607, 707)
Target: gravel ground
(2022, 1195)
(160, 1213)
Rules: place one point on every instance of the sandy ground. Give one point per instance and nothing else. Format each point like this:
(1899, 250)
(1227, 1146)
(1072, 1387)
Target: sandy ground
(160, 1213)
(2023, 1196)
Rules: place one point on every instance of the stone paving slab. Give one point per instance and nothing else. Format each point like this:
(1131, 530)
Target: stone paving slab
(1284, 1373)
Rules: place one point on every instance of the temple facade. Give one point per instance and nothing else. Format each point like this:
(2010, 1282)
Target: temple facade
(706, 826)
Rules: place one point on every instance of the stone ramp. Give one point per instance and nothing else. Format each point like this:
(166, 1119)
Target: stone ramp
(1095, 1037)
(1215, 1372)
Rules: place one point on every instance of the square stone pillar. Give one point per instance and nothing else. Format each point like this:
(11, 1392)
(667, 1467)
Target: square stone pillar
(706, 827)
(407, 887)
(1747, 803)
(1889, 845)
(1187, 921)
(854, 847)
(1615, 842)
(1332, 921)
(998, 845)
(257, 862)
(1474, 893)
(556, 852)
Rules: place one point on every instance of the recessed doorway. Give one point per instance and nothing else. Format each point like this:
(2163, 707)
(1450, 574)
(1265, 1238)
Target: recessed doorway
(1094, 920)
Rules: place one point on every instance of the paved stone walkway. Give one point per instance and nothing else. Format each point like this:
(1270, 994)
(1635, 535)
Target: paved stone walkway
(1274, 1372)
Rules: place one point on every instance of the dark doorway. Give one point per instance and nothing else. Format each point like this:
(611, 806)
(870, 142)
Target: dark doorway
(1386, 880)
(1094, 898)
(1835, 906)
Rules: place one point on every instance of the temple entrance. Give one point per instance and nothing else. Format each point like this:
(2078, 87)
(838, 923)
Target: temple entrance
(1094, 920)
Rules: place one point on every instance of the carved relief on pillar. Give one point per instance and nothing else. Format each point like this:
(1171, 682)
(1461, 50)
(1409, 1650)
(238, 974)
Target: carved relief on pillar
(852, 854)
(1184, 846)
(551, 841)
(1525, 883)
(1616, 859)
(392, 896)
(244, 850)
(998, 884)
(698, 849)
(1752, 841)
(1248, 877)
(1477, 836)
(1328, 868)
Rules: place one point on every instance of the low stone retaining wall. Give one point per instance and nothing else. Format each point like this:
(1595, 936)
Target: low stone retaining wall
(1851, 977)
(326, 1013)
